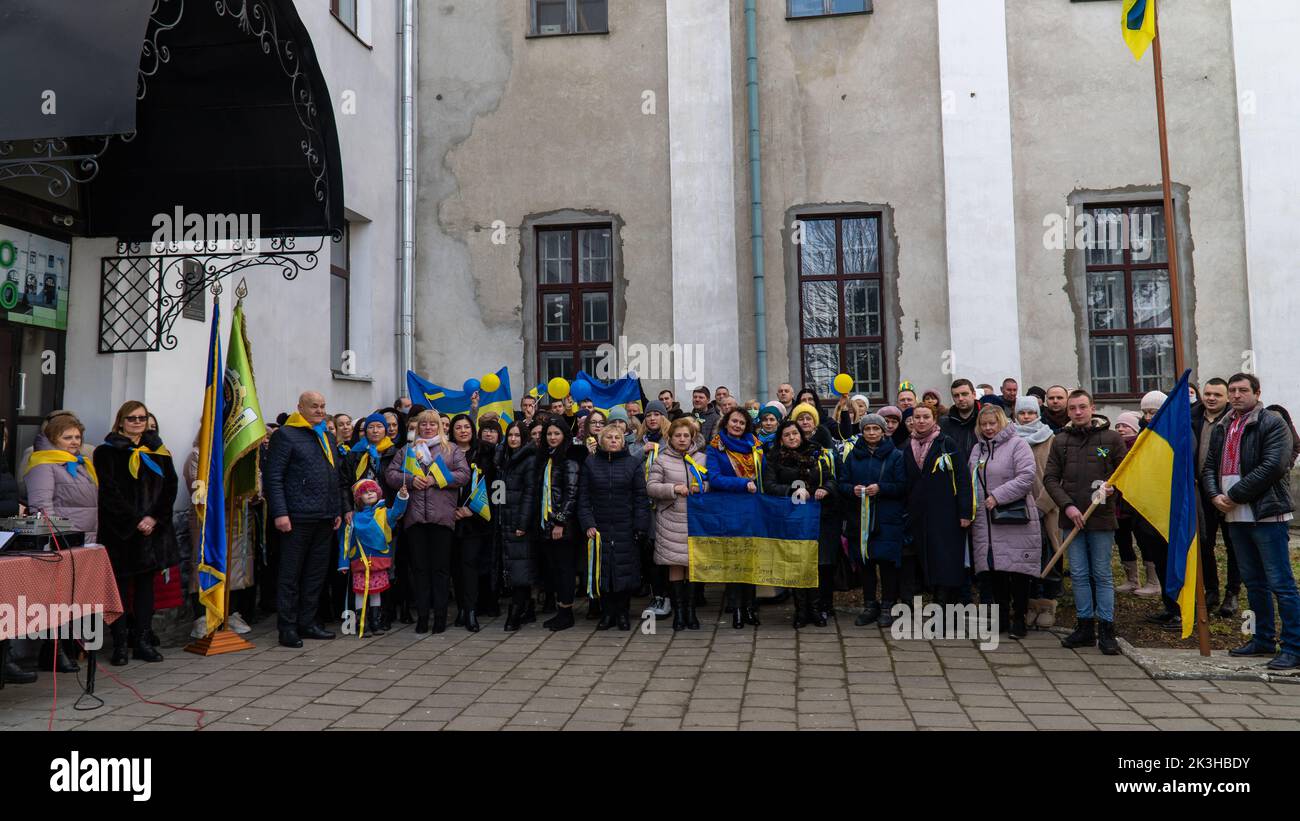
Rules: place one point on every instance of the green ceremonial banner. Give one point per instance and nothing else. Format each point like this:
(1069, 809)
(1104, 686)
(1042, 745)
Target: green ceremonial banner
(245, 427)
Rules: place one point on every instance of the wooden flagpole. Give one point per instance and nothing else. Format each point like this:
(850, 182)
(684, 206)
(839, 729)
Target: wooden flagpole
(1175, 300)
(1171, 243)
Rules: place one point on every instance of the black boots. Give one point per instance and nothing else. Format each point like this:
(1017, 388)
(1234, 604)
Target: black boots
(548, 603)
(679, 606)
(562, 620)
(529, 614)
(12, 673)
(886, 617)
(870, 613)
(805, 609)
(595, 609)
(512, 618)
(471, 621)
(1229, 607)
(624, 617)
(1106, 638)
(143, 650)
(460, 617)
(607, 611)
(375, 622)
(1083, 635)
(422, 623)
(54, 653)
(689, 603)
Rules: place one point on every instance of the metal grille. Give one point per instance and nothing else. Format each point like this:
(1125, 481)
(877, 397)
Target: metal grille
(141, 295)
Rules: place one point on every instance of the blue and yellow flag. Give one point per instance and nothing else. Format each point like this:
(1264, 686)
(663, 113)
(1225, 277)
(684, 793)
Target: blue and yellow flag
(209, 496)
(478, 497)
(1158, 479)
(1139, 25)
(753, 538)
(451, 401)
(437, 471)
(619, 392)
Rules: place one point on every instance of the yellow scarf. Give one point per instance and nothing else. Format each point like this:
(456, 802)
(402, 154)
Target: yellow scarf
(61, 457)
(295, 420)
(381, 449)
(136, 457)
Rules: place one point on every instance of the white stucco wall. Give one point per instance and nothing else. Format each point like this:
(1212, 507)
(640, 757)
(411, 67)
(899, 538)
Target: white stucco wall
(1264, 37)
(978, 203)
(701, 138)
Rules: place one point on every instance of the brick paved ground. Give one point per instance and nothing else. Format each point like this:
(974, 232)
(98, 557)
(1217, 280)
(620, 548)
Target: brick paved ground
(839, 677)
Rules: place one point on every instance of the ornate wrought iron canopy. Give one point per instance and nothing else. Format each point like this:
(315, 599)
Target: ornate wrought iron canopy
(145, 289)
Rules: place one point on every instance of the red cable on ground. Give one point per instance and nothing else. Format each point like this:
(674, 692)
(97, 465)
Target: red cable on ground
(54, 671)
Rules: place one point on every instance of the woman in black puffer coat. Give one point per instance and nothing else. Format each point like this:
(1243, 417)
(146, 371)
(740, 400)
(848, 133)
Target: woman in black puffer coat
(613, 505)
(557, 500)
(137, 488)
(792, 465)
(516, 520)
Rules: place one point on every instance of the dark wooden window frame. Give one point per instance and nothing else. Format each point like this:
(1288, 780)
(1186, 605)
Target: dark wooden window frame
(576, 345)
(839, 278)
(570, 19)
(1127, 267)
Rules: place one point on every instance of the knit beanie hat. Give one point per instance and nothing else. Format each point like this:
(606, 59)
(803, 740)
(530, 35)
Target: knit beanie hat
(1153, 400)
(874, 419)
(365, 486)
(1131, 419)
(806, 408)
(617, 414)
(1028, 403)
(773, 408)
(890, 410)
(656, 407)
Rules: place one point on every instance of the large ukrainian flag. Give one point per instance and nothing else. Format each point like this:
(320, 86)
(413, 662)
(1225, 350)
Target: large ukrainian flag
(209, 496)
(450, 401)
(1139, 25)
(752, 538)
(1158, 478)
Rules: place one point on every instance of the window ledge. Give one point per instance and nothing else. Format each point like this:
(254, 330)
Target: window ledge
(566, 34)
(351, 31)
(827, 16)
(340, 376)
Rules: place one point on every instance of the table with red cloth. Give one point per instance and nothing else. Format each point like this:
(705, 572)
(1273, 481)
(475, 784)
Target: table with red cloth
(48, 578)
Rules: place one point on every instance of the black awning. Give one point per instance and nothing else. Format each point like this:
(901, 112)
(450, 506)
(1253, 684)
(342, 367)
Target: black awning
(237, 121)
(70, 66)
(226, 107)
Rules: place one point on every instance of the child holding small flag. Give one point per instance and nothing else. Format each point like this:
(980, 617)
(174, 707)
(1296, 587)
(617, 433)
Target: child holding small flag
(366, 550)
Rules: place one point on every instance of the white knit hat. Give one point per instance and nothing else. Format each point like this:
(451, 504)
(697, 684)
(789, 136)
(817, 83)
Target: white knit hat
(1153, 400)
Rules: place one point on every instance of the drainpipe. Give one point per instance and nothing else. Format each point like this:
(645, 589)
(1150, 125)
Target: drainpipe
(406, 199)
(756, 195)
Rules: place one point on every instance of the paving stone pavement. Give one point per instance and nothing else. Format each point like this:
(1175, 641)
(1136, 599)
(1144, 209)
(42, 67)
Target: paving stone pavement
(840, 677)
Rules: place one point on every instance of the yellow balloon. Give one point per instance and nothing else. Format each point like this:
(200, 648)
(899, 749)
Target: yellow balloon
(490, 383)
(843, 383)
(558, 387)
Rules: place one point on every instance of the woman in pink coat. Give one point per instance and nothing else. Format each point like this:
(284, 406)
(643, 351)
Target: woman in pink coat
(1005, 538)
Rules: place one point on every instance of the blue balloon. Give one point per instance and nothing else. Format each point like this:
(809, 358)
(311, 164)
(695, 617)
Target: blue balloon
(580, 390)
(471, 385)
(542, 389)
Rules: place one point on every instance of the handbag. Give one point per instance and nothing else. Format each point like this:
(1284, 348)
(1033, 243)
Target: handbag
(1012, 513)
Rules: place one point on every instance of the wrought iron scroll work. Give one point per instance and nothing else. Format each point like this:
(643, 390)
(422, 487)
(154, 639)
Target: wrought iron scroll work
(145, 289)
(163, 17)
(50, 159)
(257, 19)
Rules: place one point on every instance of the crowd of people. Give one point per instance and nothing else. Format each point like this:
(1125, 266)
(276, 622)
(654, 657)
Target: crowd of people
(399, 514)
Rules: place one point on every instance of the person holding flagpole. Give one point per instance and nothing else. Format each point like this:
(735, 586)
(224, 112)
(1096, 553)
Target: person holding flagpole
(434, 470)
(137, 489)
(1245, 476)
(306, 501)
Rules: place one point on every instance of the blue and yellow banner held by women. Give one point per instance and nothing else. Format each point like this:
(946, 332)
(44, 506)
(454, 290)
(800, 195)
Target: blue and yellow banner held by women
(1158, 479)
(752, 538)
(209, 496)
(450, 401)
(1139, 25)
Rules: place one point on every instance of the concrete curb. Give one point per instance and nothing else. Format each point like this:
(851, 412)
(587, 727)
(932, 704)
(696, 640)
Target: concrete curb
(1188, 665)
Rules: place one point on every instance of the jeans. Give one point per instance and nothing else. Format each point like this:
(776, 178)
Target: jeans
(1089, 569)
(1265, 563)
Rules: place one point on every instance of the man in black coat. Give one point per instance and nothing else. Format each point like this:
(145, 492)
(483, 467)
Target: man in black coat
(959, 424)
(1245, 474)
(1205, 415)
(306, 501)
